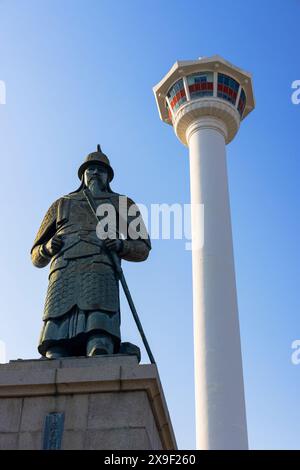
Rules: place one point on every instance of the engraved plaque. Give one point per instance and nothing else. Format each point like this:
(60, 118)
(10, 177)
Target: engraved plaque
(53, 431)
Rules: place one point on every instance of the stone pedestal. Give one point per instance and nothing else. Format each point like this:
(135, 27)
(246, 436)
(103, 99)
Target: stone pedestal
(109, 403)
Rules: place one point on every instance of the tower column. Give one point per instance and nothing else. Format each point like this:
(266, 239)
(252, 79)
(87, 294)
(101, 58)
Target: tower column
(219, 390)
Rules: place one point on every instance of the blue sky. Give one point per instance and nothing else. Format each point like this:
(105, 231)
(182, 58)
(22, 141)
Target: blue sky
(78, 73)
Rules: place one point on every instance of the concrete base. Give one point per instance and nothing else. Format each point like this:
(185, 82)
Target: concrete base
(110, 403)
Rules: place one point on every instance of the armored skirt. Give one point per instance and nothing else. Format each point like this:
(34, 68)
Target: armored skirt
(75, 327)
(82, 299)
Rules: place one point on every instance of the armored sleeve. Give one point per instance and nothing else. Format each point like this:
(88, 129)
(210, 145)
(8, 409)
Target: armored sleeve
(46, 231)
(137, 244)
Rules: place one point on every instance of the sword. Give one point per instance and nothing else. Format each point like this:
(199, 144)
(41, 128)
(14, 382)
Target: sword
(115, 260)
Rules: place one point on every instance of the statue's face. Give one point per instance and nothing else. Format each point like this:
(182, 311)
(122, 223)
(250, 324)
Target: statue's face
(95, 173)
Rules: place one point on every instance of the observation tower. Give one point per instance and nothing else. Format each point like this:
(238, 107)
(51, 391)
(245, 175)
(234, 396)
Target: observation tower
(205, 101)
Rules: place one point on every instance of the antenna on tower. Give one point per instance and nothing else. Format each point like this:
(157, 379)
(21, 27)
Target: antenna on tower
(99, 148)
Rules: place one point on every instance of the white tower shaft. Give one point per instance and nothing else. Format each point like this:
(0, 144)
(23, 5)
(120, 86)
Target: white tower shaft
(219, 389)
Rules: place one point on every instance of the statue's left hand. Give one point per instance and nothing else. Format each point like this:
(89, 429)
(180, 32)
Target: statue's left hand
(113, 244)
(54, 245)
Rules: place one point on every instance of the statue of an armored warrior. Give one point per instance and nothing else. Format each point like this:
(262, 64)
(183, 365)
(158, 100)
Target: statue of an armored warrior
(82, 307)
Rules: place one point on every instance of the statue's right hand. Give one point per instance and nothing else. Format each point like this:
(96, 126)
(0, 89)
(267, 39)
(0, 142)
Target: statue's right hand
(53, 246)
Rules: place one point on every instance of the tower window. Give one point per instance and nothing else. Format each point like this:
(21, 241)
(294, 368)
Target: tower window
(176, 95)
(200, 84)
(227, 88)
(242, 103)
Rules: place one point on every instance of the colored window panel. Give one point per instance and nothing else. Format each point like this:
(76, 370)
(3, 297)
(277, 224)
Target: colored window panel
(227, 88)
(177, 95)
(242, 102)
(201, 84)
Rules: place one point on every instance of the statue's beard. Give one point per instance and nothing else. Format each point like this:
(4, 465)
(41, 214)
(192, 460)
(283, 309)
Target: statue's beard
(95, 185)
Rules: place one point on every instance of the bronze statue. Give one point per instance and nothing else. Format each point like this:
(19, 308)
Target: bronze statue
(82, 307)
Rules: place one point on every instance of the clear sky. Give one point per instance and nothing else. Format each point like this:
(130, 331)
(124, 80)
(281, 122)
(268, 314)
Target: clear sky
(81, 72)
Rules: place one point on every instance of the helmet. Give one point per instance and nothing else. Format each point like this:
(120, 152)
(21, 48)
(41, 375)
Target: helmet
(99, 158)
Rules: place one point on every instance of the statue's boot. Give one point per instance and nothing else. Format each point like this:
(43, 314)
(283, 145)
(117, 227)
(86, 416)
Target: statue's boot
(55, 352)
(99, 344)
(130, 349)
